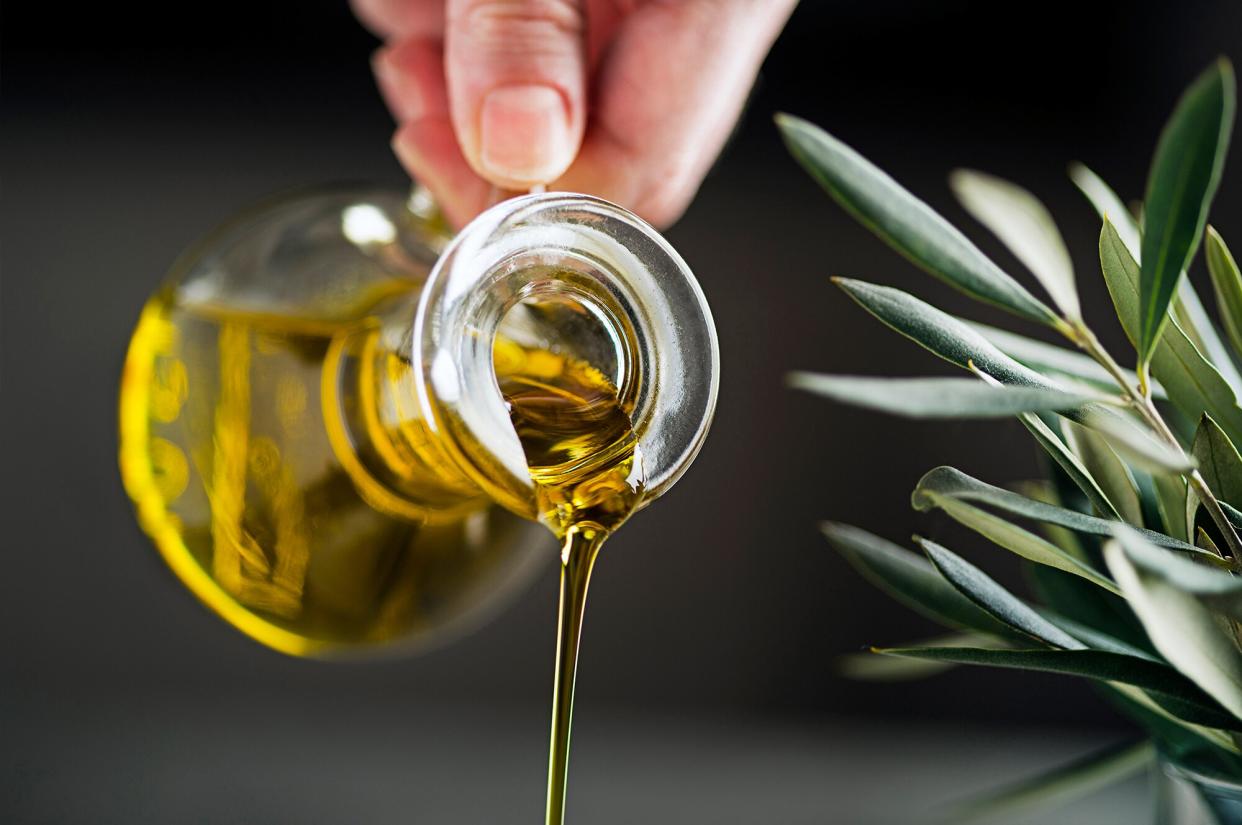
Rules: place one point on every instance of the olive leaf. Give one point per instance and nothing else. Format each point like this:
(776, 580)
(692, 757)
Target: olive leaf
(1193, 384)
(1193, 318)
(1175, 735)
(1023, 224)
(1216, 588)
(869, 667)
(1221, 468)
(1045, 492)
(1180, 626)
(939, 332)
(1136, 445)
(1070, 464)
(1183, 180)
(1205, 541)
(904, 222)
(1163, 683)
(909, 578)
(953, 483)
(1171, 500)
(999, 603)
(1049, 358)
(1218, 460)
(1095, 639)
(1107, 468)
(1108, 205)
(954, 341)
(937, 397)
(1227, 284)
(1082, 602)
(1060, 785)
(1188, 310)
(1011, 537)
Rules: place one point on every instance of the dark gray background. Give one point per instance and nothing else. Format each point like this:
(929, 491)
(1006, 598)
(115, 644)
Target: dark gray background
(130, 129)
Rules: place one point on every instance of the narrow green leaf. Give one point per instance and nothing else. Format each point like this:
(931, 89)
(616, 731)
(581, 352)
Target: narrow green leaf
(1069, 463)
(1095, 639)
(1171, 498)
(1217, 588)
(1049, 358)
(1148, 498)
(1192, 383)
(1174, 734)
(1061, 785)
(1023, 224)
(1233, 514)
(909, 578)
(950, 339)
(868, 667)
(1156, 678)
(939, 332)
(953, 483)
(1205, 541)
(1218, 461)
(1002, 605)
(1188, 310)
(1184, 175)
(1045, 492)
(1016, 539)
(937, 397)
(1060, 453)
(1083, 602)
(1193, 318)
(1108, 205)
(1136, 445)
(1180, 626)
(1227, 284)
(1107, 468)
(904, 222)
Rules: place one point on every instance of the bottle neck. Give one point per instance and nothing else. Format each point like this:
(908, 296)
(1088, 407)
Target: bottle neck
(397, 463)
(579, 278)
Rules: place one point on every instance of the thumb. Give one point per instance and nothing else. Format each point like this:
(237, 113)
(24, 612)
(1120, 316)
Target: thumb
(516, 74)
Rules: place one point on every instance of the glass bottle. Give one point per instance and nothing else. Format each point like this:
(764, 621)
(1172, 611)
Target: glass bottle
(311, 427)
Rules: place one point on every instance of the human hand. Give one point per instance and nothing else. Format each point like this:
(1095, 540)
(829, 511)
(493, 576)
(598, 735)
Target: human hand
(630, 100)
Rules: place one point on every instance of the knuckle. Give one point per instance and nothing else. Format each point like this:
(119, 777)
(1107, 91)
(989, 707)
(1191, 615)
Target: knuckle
(521, 24)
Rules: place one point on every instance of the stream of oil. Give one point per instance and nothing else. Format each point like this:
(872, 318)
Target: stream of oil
(584, 461)
(261, 502)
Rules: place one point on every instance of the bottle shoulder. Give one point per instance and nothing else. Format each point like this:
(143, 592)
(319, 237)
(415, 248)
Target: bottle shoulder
(318, 258)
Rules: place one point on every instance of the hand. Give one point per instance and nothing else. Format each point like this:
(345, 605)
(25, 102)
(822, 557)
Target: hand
(630, 100)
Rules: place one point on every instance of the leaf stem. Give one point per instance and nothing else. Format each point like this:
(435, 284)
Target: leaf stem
(1140, 398)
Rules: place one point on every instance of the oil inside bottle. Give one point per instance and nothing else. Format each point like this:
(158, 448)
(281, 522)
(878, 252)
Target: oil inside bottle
(274, 463)
(270, 460)
(588, 475)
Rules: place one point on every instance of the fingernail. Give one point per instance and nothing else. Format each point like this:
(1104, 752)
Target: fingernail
(524, 134)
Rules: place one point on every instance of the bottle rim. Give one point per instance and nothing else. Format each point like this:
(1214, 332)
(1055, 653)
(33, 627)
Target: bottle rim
(615, 265)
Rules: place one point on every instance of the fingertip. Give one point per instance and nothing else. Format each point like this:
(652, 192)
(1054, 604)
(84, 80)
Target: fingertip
(410, 77)
(427, 149)
(525, 136)
(517, 78)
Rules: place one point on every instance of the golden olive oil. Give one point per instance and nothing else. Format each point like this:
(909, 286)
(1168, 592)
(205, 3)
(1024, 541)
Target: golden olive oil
(281, 471)
(584, 460)
(280, 491)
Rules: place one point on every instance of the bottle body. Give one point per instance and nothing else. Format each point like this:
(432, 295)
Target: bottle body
(321, 408)
(272, 449)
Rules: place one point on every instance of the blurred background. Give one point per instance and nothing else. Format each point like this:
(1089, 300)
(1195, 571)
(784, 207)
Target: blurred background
(707, 690)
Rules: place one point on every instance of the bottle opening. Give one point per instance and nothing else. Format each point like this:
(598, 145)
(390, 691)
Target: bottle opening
(578, 277)
(561, 368)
